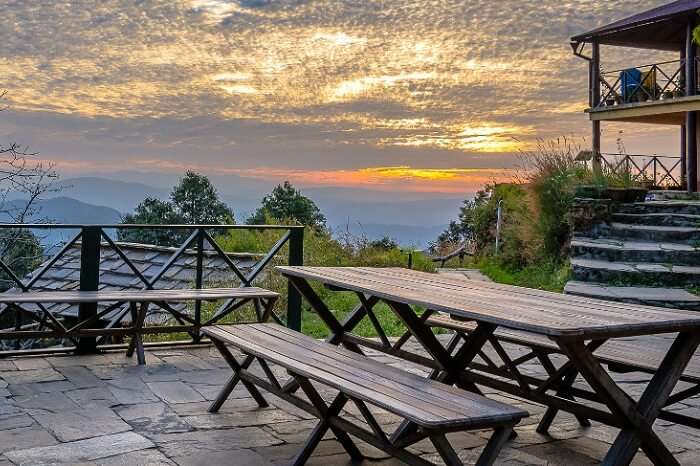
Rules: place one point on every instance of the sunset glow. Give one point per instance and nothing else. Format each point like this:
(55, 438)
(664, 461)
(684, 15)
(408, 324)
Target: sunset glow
(341, 88)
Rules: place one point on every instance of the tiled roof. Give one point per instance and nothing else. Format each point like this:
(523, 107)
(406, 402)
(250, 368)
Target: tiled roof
(115, 274)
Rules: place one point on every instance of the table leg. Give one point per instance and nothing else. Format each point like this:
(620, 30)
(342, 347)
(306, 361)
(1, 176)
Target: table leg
(639, 416)
(138, 317)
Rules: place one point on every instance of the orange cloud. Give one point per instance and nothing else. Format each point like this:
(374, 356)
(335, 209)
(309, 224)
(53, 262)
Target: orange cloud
(396, 178)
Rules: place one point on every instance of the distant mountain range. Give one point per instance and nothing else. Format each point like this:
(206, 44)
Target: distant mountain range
(410, 218)
(68, 210)
(65, 210)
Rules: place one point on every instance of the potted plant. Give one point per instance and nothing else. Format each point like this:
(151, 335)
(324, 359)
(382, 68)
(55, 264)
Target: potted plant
(668, 94)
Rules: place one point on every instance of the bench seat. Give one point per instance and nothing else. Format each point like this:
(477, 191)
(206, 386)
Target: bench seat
(433, 407)
(622, 354)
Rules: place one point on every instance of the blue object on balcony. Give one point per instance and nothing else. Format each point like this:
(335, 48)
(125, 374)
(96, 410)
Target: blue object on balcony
(631, 80)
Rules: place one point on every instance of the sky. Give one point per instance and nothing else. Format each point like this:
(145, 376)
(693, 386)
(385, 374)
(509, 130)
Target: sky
(435, 96)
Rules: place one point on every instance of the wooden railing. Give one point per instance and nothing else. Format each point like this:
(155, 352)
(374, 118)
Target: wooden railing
(659, 171)
(198, 247)
(647, 83)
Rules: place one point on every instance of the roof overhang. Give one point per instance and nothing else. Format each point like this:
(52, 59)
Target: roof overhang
(661, 28)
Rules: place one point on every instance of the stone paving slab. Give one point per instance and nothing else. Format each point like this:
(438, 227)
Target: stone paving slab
(104, 410)
(82, 423)
(80, 451)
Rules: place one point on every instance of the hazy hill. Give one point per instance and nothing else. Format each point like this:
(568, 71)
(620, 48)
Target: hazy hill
(120, 195)
(68, 210)
(412, 218)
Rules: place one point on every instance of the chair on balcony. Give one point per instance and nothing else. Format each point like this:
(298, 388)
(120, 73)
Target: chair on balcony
(631, 80)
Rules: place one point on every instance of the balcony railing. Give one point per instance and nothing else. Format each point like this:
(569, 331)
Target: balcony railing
(648, 83)
(656, 171)
(80, 262)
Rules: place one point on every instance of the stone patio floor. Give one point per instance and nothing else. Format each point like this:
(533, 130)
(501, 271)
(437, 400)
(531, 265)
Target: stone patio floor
(106, 410)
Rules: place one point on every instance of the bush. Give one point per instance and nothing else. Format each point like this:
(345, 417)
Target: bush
(536, 220)
(321, 249)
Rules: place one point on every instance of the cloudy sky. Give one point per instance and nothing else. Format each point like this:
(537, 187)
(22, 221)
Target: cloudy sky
(423, 95)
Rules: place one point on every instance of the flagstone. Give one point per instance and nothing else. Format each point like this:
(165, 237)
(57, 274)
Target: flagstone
(153, 418)
(25, 437)
(184, 444)
(175, 392)
(82, 423)
(73, 453)
(81, 377)
(30, 376)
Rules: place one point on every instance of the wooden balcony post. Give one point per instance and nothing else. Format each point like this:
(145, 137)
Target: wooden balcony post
(595, 101)
(684, 154)
(691, 127)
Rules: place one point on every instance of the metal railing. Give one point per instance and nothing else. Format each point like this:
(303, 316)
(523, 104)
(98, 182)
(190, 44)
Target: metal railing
(658, 171)
(647, 83)
(199, 247)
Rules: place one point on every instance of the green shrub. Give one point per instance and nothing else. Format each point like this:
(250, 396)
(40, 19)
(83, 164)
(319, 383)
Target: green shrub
(321, 249)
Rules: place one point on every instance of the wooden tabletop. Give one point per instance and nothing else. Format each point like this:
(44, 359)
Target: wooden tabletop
(542, 312)
(74, 297)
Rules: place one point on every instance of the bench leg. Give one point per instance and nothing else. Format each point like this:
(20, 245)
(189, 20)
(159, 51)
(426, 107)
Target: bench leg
(237, 368)
(228, 388)
(447, 453)
(495, 445)
(325, 413)
(137, 319)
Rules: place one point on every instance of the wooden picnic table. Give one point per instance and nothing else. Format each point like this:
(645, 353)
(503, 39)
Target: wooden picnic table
(577, 326)
(138, 302)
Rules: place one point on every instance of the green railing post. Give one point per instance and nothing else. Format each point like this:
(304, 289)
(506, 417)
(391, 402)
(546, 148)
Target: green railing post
(89, 281)
(296, 257)
(198, 283)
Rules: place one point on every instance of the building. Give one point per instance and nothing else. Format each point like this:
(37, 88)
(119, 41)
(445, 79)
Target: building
(658, 93)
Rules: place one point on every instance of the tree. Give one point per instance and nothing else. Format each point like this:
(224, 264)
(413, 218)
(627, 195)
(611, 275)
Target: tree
(385, 244)
(286, 203)
(193, 201)
(153, 211)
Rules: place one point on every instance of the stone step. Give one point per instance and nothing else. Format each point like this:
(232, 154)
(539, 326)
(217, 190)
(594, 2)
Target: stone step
(669, 195)
(676, 298)
(670, 234)
(659, 219)
(634, 251)
(661, 207)
(635, 273)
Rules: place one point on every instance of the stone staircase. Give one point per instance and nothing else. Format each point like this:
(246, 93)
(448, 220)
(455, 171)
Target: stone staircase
(649, 253)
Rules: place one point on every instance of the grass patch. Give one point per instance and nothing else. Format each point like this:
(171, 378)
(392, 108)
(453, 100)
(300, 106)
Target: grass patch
(549, 276)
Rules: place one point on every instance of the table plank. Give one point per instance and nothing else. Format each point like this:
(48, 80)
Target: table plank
(541, 312)
(126, 296)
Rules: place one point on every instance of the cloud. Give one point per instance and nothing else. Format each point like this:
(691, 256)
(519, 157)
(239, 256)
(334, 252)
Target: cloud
(329, 83)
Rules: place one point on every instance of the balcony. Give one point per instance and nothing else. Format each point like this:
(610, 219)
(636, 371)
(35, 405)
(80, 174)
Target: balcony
(653, 93)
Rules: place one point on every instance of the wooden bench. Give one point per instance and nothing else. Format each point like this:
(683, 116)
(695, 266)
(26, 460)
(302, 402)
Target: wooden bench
(136, 303)
(434, 408)
(620, 355)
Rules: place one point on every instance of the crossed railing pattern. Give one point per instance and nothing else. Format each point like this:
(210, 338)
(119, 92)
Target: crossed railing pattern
(44, 324)
(658, 81)
(658, 170)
